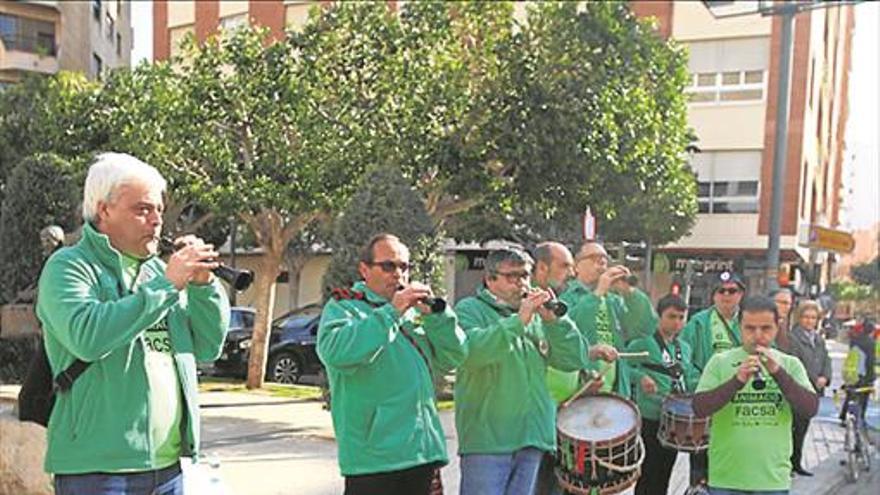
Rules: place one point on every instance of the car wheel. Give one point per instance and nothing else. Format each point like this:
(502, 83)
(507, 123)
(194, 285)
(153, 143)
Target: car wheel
(285, 367)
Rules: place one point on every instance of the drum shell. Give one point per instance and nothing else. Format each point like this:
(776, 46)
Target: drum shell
(580, 467)
(680, 429)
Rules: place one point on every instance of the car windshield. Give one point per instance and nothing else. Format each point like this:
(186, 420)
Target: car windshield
(241, 319)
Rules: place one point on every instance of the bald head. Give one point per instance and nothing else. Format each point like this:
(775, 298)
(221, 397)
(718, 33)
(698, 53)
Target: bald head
(590, 262)
(553, 265)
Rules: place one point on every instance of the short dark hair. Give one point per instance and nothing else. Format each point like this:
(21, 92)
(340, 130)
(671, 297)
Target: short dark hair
(367, 254)
(758, 304)
(513, 255)
(671, 301)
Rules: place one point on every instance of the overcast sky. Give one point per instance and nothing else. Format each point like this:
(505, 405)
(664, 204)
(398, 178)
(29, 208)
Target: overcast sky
(862, 173)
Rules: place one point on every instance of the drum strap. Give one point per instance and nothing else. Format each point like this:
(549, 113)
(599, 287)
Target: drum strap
(733, 339)
(677, 376)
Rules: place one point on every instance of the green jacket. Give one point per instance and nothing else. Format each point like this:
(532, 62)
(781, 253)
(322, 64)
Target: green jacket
(698, 335)
(501, 399)
(102, 423)
(631, 317)
(382, 393)
(650, 404)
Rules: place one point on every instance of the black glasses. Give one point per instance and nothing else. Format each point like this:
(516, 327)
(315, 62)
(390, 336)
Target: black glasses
(513, 277)
(389, 266)
(728, 291)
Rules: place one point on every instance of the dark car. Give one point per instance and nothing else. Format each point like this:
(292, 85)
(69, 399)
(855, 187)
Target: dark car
(291, 345)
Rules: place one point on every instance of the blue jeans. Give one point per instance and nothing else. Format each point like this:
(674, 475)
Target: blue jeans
(167, 481)
(725, 491)
(500, 474)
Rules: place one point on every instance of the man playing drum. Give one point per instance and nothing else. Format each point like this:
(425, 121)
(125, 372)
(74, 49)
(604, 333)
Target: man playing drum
(504, 415)
(668, 370)
(553, 269)
(607, 310)
(751, 393)
(710, 331)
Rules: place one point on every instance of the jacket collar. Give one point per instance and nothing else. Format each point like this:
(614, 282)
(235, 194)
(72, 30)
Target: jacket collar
(99, 245)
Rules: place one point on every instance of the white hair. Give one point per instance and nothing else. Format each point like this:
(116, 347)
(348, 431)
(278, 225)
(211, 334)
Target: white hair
(109, 172)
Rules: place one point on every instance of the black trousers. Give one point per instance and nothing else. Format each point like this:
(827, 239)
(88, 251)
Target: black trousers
(413, 481)
(700, 468)
(799, 427)
(658, 463)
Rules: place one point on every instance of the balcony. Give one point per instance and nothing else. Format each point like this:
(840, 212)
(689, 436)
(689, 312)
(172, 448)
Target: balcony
(28, 54)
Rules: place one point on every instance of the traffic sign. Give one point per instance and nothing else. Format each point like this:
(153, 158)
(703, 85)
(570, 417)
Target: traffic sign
(830, 239)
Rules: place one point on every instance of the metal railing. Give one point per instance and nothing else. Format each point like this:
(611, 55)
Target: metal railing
(40, 45)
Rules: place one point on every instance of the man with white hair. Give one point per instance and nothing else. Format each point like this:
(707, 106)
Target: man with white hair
(123, 331)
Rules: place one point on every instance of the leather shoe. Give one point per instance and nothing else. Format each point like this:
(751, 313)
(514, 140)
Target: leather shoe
(801, 471)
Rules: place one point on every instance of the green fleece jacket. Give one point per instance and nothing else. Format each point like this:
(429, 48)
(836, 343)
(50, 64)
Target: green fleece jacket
(698, 335)
(631, 317)
(501, 400)
(650, 404)
(382, 393)
(102, 423)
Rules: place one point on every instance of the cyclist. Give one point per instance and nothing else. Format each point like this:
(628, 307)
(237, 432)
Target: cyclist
(858, 367)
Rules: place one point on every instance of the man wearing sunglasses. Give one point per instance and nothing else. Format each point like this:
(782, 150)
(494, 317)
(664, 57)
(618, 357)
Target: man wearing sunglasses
(607, 310)
(709, 332)
(381, 345)
(504, 415)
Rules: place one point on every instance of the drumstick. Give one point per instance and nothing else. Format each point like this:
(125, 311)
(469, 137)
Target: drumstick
(633, 355)
(590, 382)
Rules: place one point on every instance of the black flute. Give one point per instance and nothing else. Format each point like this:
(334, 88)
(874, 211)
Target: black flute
(239, 279)
(437, 304)
(558, 307)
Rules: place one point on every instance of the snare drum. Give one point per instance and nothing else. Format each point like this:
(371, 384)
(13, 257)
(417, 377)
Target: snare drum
(599, 446)
(680, 429)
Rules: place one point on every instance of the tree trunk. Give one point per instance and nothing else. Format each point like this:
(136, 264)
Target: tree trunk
(265, 302)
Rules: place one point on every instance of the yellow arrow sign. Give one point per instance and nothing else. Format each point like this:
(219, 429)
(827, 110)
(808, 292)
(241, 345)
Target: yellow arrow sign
(830, 239)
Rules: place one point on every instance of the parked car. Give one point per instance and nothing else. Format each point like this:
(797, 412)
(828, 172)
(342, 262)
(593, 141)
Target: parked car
(291, 345)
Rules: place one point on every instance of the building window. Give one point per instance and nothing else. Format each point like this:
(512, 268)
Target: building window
(725, 87)
(97, 66)
(111, 26)
(118, 44)
(96, 10)
(727, 181)
(233, 22)
(27, 35)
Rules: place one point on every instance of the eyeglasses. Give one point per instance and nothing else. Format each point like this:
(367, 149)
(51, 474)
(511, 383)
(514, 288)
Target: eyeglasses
(728, 291)
(513, 277)
(389, 266)
(595, 258)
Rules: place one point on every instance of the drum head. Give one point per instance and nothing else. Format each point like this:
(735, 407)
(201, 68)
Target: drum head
(681, 405)
(598, 418)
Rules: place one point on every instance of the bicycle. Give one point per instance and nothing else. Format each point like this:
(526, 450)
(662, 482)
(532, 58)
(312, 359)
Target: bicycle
(857, 442)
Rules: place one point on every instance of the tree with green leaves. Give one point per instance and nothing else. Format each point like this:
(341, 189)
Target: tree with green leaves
(598, 118)
(265, 147)
(47, 114)
(42, 191)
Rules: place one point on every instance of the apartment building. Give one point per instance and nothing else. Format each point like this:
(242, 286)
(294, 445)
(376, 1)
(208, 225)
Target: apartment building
(174, 20)
(40, 36)
(734, 65)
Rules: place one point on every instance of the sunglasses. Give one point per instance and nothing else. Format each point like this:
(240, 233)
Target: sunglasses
(389, 266)
(513, 277)
(729, 291)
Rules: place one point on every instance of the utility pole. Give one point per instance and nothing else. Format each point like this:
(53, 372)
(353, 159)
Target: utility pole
(780, 148)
